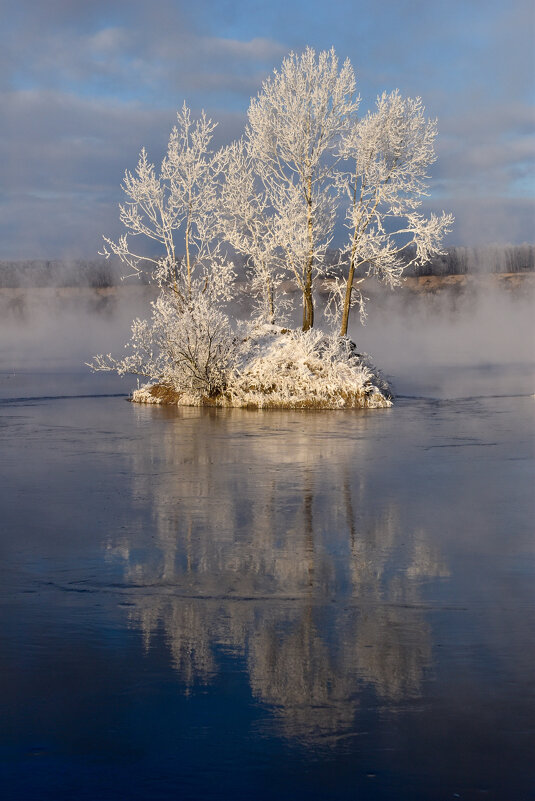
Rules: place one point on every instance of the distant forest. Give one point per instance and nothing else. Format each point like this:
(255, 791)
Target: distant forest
(99, 273)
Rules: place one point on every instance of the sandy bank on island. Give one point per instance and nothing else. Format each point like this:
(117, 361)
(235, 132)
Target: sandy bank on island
(166, 396)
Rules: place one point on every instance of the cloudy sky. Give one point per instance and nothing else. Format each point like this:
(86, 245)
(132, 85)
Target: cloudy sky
(84, 84)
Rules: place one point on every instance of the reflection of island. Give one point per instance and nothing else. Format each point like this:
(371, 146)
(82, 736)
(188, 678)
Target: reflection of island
(266, 548)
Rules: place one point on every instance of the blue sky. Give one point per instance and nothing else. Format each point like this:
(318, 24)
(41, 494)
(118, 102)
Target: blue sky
(85, 84)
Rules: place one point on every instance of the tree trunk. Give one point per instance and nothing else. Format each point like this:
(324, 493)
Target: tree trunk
(308, 304)
(188, 263)
(349, 285)
(270, 301)
(347, 299)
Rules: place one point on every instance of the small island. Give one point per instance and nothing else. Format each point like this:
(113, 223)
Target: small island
(280, 368)
(307, 162)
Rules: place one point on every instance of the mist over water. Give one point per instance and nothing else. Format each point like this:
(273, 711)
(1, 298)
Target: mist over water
(62, 328)
(424, 340)
(413, 338)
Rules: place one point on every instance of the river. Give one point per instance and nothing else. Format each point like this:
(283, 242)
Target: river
(222, 603)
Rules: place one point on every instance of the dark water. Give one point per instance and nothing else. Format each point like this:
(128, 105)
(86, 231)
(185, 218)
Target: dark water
(213, 604)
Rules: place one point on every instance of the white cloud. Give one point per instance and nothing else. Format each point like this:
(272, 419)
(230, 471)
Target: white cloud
(101, 79)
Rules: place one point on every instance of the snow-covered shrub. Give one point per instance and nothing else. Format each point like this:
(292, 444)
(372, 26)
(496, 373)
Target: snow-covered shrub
(305, 369)
(189, 350)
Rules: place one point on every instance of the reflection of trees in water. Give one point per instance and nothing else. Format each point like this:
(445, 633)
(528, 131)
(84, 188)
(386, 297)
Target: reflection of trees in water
(267, 546)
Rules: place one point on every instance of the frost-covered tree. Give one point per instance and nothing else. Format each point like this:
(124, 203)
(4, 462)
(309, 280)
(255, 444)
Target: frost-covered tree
(188, 343)
(388, 153)
(174, 209)
(294, 127)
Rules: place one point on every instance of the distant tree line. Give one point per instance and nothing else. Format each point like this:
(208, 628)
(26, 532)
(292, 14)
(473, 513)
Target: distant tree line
(102, 273)
(95, 273)
(473, 260)
(458, 260)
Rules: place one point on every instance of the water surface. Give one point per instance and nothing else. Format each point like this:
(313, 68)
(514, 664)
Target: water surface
(209, 604)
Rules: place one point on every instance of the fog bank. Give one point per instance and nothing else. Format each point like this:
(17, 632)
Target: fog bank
(415, 338)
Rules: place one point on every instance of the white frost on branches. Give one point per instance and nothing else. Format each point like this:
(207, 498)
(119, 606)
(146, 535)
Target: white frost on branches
(189, 351)
(188, 345)
(175, 210)
(249, 224)
(294, 126)
(387, 156)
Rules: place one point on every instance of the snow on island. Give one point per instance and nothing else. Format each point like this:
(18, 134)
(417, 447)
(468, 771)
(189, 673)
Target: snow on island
(282, 369)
